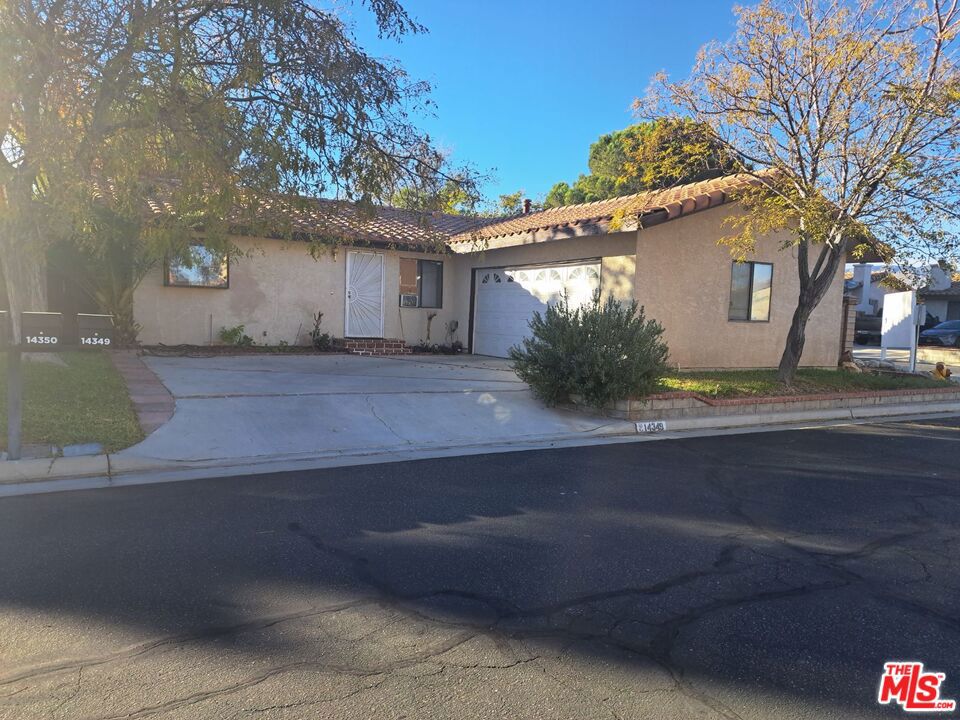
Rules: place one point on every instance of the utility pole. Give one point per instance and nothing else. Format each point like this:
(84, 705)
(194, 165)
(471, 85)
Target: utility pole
(14, 402)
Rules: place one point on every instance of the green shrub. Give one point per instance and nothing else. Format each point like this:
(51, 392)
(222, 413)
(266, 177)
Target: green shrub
(235, 336)
(320, 339)
(602, 352)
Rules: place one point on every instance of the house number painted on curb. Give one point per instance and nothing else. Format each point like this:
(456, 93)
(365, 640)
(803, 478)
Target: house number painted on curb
(653, 426)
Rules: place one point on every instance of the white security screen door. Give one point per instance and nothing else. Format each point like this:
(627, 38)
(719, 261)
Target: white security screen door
(364, 303)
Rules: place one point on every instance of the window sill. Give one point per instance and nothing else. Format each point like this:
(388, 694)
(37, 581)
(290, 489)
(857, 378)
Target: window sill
(196, 287)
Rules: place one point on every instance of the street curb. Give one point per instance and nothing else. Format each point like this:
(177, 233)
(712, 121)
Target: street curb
(865, 412)
(61, 473)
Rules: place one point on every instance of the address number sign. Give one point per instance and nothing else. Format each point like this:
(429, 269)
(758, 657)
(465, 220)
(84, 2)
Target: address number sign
(95, 330)
(41, 328)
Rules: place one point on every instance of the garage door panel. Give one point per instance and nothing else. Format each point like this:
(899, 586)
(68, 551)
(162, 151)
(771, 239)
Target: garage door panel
(506, 299)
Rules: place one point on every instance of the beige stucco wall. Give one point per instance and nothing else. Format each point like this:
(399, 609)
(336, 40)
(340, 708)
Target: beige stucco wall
(676, 270)
(275, 288)
(683, 280)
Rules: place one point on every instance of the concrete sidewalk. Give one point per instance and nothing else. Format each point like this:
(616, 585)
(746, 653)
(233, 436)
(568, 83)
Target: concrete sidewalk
(80, 473)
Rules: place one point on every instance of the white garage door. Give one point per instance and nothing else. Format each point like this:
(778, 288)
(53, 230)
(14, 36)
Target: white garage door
(506, 299)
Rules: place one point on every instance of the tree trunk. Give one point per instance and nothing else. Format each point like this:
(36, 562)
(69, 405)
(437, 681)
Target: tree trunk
(25, 278)
(790, 359)
(812, 290)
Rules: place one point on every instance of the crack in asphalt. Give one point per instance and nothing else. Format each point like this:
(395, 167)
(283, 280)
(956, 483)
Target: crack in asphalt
(508, 621)
(507, 611)
(274, 671)
(206, 633)
(658, 650)
(309, 703)
(74, 694)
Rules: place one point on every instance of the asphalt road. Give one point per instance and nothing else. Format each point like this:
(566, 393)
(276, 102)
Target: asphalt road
(748, 576)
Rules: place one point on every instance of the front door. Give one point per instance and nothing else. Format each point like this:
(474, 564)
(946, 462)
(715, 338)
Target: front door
(364, 302)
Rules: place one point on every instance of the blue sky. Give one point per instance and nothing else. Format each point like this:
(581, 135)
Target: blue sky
(523, 88)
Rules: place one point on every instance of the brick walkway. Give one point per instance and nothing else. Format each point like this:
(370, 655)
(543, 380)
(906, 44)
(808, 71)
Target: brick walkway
(151, 399)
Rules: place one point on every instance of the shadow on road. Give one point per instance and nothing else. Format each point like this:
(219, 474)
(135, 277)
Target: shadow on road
(758, 575)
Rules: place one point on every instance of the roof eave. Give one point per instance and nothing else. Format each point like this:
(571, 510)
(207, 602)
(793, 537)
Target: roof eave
(583, 228)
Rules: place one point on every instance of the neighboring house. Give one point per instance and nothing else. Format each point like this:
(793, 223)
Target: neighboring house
(479, 280)
(941, 296)
(867, 287)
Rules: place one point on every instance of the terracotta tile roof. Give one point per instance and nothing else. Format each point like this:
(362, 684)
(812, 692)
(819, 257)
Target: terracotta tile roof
(340, 220)
(388, 226)
(951, 292)
(344, 222)
(672, 202)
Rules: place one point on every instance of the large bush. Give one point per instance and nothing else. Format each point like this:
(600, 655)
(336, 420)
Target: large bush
(602, 352)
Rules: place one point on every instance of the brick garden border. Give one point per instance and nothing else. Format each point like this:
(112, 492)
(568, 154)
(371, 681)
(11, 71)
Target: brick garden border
(753, 399)
(686, 404)
(152, 401)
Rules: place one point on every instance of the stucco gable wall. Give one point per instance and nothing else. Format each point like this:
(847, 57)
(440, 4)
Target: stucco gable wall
(683, 280)
(275, 288)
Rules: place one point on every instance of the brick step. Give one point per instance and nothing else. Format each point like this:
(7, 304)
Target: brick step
(375, 346)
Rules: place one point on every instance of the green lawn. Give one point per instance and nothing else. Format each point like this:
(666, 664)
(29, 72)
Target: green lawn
(85, 402)
(742, 383)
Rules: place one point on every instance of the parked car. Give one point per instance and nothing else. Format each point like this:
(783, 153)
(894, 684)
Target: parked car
(946, 334)
(930, 322)
(866, 329)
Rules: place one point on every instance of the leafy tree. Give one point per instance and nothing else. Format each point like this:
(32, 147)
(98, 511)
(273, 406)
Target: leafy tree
(587, 188)
(453, 198)
(512, 204)
(557, 195)
(853, 110)
(673, 151)
(646, 156)
(219, 110)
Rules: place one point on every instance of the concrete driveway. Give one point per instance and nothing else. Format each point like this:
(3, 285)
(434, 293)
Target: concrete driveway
(299, 405)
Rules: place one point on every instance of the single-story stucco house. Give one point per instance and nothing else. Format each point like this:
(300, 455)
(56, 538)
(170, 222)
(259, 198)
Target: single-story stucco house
(479, 280)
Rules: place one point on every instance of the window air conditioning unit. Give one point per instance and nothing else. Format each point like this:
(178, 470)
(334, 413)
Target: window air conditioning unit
(409, 300)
